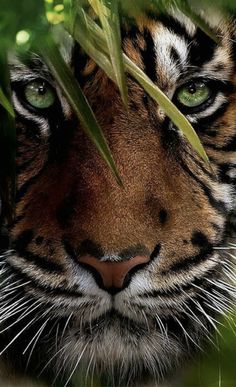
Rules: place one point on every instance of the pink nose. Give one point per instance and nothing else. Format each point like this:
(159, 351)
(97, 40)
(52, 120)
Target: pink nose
(113, 274)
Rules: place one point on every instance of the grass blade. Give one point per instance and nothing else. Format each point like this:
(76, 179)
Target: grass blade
(6, 103)
(87, 42)
(184, 7)
(153, 90)
(170, 109)
(78, 101)
(108, 13)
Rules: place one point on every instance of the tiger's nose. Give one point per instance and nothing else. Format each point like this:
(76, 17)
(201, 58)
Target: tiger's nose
(113, 276)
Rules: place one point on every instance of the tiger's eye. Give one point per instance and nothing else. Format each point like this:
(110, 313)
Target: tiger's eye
(193, 94)
(39, 94)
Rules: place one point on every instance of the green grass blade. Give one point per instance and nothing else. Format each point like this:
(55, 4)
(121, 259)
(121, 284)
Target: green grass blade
(79, 27)
(107, 11)
(153, 90)
(184, 7)
(6, 103)
(170, 109)
(78, 101)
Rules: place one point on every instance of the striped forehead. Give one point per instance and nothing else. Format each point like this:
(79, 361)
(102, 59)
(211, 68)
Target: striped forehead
(176, 47)
(171, 53)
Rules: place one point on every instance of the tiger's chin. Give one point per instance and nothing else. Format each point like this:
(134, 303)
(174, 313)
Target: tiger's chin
(117, 348)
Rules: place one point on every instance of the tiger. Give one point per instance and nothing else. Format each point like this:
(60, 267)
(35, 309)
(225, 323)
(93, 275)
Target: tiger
(124, 283)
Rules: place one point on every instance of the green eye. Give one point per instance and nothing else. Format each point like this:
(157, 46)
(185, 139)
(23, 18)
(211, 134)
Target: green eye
(39, 94)
(193, 94)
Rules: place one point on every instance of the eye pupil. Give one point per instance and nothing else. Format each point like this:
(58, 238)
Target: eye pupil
(42, 89)
(192, 88)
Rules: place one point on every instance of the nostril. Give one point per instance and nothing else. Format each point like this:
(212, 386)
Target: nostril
(113, 276)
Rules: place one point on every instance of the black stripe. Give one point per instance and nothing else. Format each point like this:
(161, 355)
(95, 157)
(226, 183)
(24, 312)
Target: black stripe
(201, 49)
(41, 262)
(24, 128)
(24, 188)
(71, 252)
(79, 61)
(216, 204)
(23, 166)
(20, 245)
(203, 125)
(23, 240)
(200, 163)
(149, 56)
(228, 147)
(175, 291)
(188, 262)
(172, 25)
(18, 219)
(176, 58)
(130, 31)
(48, 289)
(224, 170)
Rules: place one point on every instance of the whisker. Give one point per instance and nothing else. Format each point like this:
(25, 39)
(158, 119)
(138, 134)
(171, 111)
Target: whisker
(66, 325)
(10, 288)
(16, 336)
(11, 313)
(76, 365)
(36, 337)
(186, 334)
(162, 327)
(29, 310)
(88, 368)
(52, 358)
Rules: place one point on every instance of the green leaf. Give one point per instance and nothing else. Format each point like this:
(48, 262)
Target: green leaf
(184, 6)
(153, 90)
(107, 11)
(6, 103)
(170, 109)
(78, 25)
(78, 101)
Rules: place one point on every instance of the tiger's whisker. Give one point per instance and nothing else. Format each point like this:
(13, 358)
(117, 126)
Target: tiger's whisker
(39, 333)
(76, 364)
(26, 312)
(17, 335)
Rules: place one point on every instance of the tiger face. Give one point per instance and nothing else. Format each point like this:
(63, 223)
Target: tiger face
(125, 282)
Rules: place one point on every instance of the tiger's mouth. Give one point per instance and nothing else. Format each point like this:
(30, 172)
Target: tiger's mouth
(113, 319)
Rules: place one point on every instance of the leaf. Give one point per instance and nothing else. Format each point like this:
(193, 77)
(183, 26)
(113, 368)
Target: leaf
(170, 109)
(87, 42)
(184, 6)
(78, 101)
(153, 90)
(108, 13)
(6, 103)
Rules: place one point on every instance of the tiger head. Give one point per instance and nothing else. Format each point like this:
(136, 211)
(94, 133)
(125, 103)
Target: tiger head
(126, 281)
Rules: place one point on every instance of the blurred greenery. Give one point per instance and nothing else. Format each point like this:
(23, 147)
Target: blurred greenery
(216, 367)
